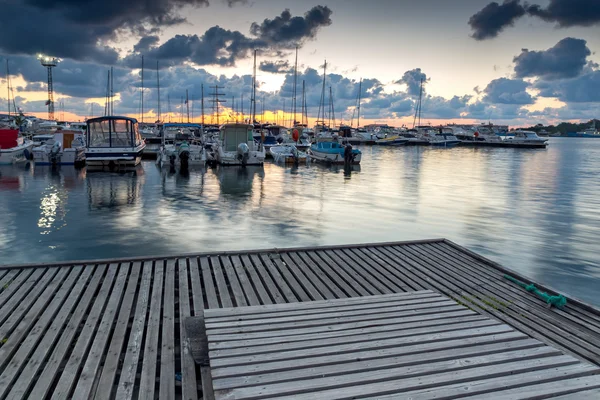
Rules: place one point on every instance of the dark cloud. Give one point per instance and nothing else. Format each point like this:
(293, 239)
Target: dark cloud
(287, 31)
(233, 3)
(565, 60)
(494, 17)
(507, 91)
(146, 43)
(582, 89)
(275, 67)
(568, 13)
(412, 79)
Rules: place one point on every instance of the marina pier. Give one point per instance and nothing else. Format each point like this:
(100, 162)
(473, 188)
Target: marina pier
(419, 318)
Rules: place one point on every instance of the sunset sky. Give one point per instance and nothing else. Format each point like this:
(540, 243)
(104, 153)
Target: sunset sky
(510, 62)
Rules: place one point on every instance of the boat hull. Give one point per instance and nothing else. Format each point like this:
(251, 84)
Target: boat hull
(73, 156)
(16, 154)
(332, 158)
(114, 157)
(169, 155)
(392, 142)
(231, 158)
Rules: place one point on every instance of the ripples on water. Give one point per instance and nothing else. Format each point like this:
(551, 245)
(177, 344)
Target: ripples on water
(535, 211)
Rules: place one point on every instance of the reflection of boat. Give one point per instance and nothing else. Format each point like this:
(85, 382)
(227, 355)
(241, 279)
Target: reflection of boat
(13, 147)
(113, 141)
(238, 181)
(237, 146)
(181, 146)
(65, 148)
(106, 190)
(335, 153)
(525, 139)
(287, 153)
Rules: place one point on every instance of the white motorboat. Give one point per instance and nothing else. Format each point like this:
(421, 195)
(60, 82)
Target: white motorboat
(392, 141)
(181, 147)
(14, 147)
(236, 146)
(65, 148)
(113, 142)
(287, 154)
(526, 139)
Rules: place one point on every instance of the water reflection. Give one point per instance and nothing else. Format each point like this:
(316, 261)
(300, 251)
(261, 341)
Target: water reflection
(534, 211)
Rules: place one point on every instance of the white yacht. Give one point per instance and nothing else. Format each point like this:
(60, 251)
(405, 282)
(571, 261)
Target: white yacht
(14, 147)
(113, 142)
(181, 146)
(65, 148)
(527, 139)
(236, 146)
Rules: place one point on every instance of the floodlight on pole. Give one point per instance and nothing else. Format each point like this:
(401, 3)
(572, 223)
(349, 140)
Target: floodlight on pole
(49, 63)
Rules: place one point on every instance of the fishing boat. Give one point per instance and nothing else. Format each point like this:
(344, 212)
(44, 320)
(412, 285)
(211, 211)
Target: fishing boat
(525, 139)
(14, 147)
(287, 154)
(335, 153)
(181, 146)
(113, 141)
(236, 146)
(65, 148)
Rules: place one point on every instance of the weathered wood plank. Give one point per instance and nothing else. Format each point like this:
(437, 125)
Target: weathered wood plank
(378, 282)
(334, 277)
(272, 288)
(223, 290)
(256, 282)
(23, 296)
(245, 283)
(134, 346)
(296, 280)
(88, 379)
(167, 351)
(148, 378)
(313, 285)
(286, 291)
(348, 275)
(196, 286)
(209, 285)
(188, 367)
(111, 362)
(207, 390)
(68, 378)
(236, 288)
(10, 287)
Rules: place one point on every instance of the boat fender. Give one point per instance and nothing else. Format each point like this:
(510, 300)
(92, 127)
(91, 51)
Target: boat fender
(27, 154)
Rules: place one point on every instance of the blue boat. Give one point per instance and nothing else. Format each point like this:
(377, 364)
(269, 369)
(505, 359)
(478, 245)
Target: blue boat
(334, 153)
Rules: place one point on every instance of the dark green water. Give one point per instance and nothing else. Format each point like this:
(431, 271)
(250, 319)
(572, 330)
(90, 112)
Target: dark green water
(535, 211)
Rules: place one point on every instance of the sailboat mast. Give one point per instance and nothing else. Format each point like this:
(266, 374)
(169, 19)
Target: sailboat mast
(169, 106)
(142, 91)
(158, 90)
(359, 98)
(112, 91)
(181, 111)
(106, 98)
(254, 92)
(321, 118)
(295, 84)
(304, 112)
(8, 88)
(187, 104)
(202, 104)
(242, 106)
(420, 101)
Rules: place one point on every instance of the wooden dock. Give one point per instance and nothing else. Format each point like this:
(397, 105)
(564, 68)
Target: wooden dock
(115, 328)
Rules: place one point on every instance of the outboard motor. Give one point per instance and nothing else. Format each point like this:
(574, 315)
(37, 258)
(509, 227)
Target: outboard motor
(184, 154)
(172, 159)
(243, 153)
(54, 156)
(280, 140)
(295, 154)
(348, 156)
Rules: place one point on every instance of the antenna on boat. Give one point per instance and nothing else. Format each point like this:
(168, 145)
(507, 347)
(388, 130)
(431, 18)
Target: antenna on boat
(142, 92)
(158, 90)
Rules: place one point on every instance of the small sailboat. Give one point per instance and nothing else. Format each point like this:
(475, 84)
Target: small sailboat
(236, 146)
(335, 153)
(287, 154)
(113, 142)
(14, 147)
(65, 148)
(181, 146)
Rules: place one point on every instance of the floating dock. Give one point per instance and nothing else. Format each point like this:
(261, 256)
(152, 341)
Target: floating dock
(116, 328)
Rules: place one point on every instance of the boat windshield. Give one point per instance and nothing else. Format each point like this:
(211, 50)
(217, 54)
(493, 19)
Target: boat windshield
(113, 133)
(233, 136)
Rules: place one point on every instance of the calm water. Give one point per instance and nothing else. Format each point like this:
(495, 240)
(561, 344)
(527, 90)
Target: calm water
(535, 211)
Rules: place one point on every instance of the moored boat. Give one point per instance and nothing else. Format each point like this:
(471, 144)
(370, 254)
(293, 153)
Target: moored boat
(335, 153)
(14, 147)
(392, 141)
(287, 153)
(525, 139)
(113, 141)
(236, 146)
(65, 148)
(181, 147)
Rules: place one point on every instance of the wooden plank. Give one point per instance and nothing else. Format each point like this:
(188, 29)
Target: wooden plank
(434, 322)
(196, 286)
(223, 290)
(386, 274)
(7, 290)
(111, 362)
(593, 394)
(22, 297)
(397, 360)
(434, 308)
(134, 346)
(274, 320)
(297, 281)
(256, 281)
(14, 331)
(349, 381)
(209, 285)
(207, 390)
(167, 351)
(188, 367)
(148, 377)
(317, 304)
(51, 369)
(459, 343)
(244, 281)
(313, 284)
(88, 379)
(379, 282)
(366, 307)
(236, 288)
(402, 382)
(298, 355)
(272, 289)
(320, 267)
(29, 344)
(7, 277)
(342, 327)
(489, 388)
(363, 288)
(287, 292)
(402, 271)
(71, 370)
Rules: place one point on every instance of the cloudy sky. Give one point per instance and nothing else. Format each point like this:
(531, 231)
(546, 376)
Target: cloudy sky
(510, 61)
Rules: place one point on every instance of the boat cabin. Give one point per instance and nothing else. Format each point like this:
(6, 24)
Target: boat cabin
(231, 135)
(181, 131)
(113, 132)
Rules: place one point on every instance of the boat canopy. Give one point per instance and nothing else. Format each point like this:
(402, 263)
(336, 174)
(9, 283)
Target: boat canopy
(113, 132)
(233, 134)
